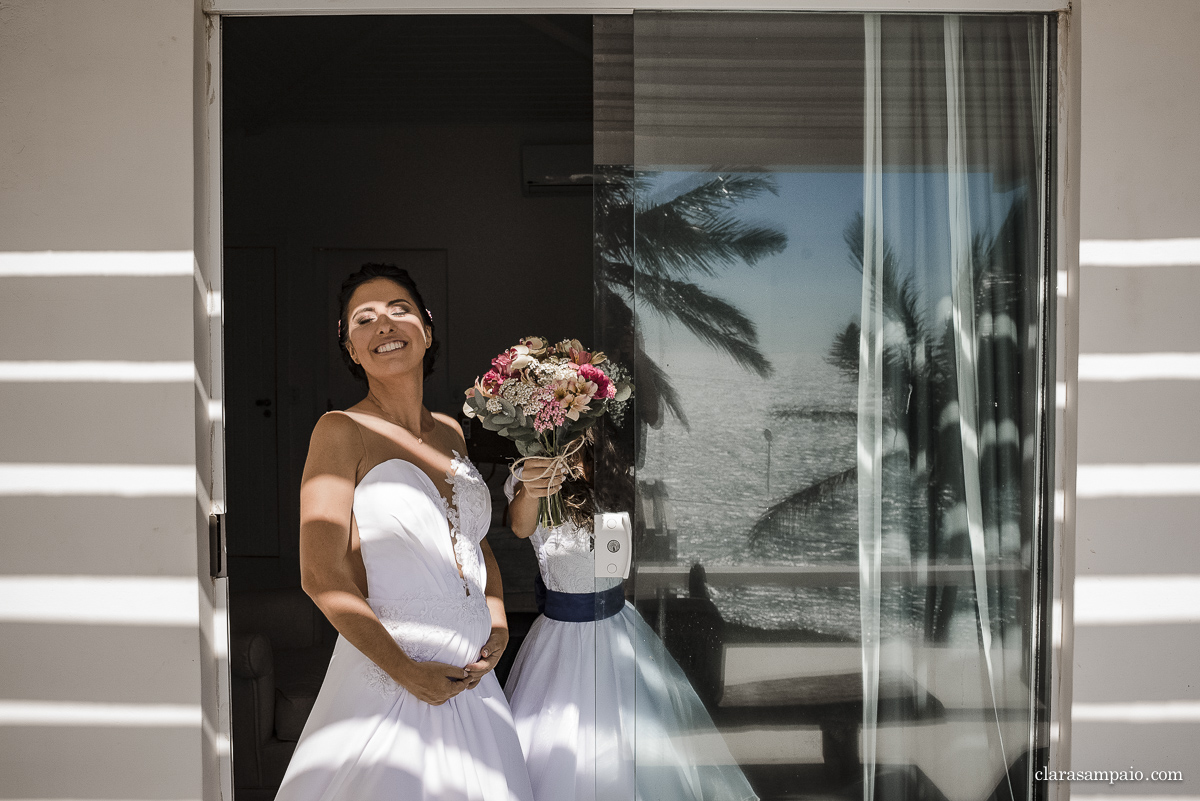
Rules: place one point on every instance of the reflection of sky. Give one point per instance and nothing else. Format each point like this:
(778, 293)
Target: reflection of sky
(802, 297)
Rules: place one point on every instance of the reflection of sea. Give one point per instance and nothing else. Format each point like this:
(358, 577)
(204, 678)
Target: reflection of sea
(716, 475)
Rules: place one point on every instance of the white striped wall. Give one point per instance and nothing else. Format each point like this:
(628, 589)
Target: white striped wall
(103, 620)
(1136, 686)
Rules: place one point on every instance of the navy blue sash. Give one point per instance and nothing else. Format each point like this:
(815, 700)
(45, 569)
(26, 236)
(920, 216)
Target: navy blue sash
(578, 607)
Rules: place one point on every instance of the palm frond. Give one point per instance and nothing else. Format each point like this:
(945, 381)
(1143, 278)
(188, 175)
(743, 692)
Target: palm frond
(711, 319)
(718, 194)
(843, 353)
(671, 243)
(900, 297)
(784, 516)
(663, 394)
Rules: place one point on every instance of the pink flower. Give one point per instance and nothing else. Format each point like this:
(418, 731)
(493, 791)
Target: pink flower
(551, 415)
(491, 381)
(604, 386)
(502, 362)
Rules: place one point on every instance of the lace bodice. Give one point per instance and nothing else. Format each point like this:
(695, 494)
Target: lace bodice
(564, 555)
(469, 516)
(413, 543)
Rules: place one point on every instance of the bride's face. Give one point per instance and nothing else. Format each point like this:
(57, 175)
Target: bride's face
(388, 331)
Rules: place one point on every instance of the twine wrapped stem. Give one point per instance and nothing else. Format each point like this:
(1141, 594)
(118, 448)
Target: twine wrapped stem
(551, 510)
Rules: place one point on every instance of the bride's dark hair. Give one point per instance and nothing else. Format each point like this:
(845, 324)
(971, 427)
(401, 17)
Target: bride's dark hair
(369, 272)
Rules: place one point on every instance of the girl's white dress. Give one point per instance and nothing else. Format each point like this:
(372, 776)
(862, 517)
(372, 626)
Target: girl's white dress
(594, 700)
(368, 739)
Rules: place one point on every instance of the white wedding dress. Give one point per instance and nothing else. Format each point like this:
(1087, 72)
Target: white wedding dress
(573, 688)
(368, 739)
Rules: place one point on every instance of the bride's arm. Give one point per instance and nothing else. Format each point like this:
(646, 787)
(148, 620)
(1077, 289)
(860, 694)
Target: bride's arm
(326, 570)
(493, 649)
(523, 506)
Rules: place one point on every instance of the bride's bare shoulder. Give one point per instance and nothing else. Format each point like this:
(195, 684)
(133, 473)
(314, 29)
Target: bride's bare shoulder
(336, 434)
(451, 428)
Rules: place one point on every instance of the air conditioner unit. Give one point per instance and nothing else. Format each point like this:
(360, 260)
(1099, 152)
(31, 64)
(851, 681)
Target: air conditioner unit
(556, 170)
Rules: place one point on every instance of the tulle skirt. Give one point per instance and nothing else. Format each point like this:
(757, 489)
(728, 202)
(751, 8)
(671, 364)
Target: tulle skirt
(572, 691)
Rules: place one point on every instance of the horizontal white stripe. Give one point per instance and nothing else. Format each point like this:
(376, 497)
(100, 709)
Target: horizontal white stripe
(102, 371)
(1139, 252)
(1139, 366)
(101, 600)
(1137, 480)
(1131, 600)
(104, 262)
(121, 480)
(84, 713)
(1159, 712)
(1106, 797)
(1078, 796)
(1062, 283)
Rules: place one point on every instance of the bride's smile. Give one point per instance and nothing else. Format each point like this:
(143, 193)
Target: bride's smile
(387, 331)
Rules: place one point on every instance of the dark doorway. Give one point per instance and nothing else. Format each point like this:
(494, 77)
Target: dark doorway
(451, 145)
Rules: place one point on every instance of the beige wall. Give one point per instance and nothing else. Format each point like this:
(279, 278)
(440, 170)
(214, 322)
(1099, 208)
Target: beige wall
(1140, 180)
(100, 697)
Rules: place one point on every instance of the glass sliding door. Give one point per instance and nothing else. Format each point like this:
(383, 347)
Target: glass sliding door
(821, 244)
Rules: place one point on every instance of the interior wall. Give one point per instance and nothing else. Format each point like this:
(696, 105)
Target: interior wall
(100, 684)
(1137, 615)
(517, 265)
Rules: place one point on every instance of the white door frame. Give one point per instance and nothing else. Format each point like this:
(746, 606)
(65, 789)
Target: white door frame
(209, 250)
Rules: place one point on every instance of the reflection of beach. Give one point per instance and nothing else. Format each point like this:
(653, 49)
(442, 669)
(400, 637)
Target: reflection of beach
(716, 474)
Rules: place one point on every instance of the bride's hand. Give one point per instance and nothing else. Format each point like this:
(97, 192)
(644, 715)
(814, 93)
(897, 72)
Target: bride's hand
(435, 683)
(489, 656)
(540, 478)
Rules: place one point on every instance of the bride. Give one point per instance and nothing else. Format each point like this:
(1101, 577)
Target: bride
(392, 520)
(587, 658)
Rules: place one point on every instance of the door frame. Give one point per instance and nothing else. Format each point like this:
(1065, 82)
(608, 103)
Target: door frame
(1063, 427)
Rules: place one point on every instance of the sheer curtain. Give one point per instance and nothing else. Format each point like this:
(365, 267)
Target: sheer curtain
(950, 399)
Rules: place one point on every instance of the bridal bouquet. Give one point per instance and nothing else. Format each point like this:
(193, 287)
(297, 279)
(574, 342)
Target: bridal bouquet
(544, 397)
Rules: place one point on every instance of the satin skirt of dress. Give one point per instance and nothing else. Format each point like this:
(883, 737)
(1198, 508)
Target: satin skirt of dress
(572, 691)
(368, 739)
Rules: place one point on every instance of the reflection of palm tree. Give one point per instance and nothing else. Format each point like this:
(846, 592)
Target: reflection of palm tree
(661, 248)
(920, 389)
